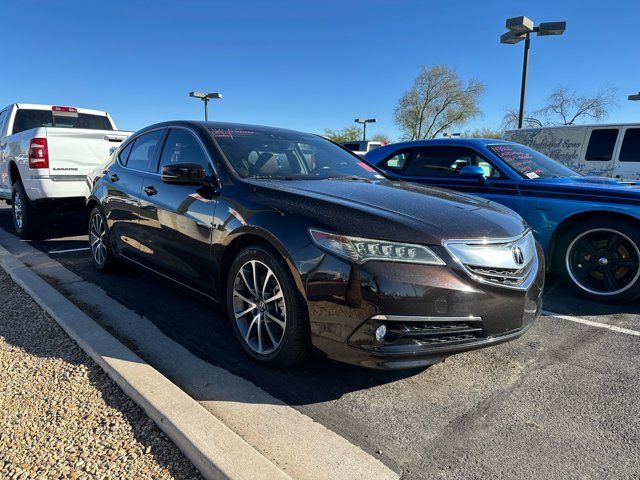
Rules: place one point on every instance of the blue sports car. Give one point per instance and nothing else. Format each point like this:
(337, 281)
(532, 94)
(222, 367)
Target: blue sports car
(589, 227)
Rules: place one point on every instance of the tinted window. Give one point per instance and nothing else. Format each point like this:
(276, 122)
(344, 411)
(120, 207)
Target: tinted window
(182, 147)
(601, 144)
(124, 154)
(354, 147)
(82, 120)
(28, 119)
(445, 162)
(143, 153)
(395, 163)
(273, 153)
(630, 151)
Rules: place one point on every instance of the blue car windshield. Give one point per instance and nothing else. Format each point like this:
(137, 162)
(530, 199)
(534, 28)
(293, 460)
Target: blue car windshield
(529, 163)
(279, 154)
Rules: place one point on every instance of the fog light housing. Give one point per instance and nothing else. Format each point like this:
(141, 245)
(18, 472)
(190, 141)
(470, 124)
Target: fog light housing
(381, 331)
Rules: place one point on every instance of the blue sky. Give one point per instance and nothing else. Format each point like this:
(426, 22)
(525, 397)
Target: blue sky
(302, 64)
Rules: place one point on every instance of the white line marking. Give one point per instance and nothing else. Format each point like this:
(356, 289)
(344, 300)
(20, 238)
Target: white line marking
(69, 250)
(592, 323)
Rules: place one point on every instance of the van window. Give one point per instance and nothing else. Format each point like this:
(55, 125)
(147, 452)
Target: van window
(630, 151)
(354, 147)
(602, 144)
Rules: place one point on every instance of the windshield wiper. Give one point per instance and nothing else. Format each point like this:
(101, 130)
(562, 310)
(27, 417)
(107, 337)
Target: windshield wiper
(352, 178)
(269, 177)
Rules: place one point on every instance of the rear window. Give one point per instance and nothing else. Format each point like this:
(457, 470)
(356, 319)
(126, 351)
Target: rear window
(354, 147)
(630, 151)
(27, 119)
(601, 144)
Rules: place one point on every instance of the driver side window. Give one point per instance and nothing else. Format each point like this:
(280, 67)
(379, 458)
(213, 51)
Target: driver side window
(182, 147)
(446, 162)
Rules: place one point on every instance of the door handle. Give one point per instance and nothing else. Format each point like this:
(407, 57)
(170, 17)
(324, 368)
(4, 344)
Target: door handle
(150, 190)
(114, 177)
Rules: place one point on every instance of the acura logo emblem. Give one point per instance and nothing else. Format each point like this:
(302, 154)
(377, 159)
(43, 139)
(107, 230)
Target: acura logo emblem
(518, 256)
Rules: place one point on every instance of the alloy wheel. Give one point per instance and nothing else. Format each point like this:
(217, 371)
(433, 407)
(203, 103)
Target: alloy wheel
(97, 237)
(259, 307)
(603, 261)
(18, 210)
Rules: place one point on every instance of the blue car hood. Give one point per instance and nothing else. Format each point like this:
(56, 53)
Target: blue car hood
(594, 184)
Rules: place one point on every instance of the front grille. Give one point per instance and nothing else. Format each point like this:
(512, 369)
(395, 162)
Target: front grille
(503, 262)
(501, 276)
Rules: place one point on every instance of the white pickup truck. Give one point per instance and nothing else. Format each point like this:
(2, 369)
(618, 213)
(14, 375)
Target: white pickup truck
(46, 153)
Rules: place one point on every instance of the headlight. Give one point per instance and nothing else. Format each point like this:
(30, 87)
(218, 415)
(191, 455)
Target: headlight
(360, 250)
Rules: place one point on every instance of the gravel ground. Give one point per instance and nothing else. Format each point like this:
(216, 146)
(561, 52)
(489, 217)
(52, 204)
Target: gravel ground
(61, 416)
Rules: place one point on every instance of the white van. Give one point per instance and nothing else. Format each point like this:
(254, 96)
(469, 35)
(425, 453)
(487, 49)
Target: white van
(360, 148)
(597, 150)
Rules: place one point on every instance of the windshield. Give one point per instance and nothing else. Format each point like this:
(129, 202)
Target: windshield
(265, 153)
(530, 163)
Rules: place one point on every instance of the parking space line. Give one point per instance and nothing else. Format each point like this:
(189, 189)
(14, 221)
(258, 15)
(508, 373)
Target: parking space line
(70, 250)
(591, 323)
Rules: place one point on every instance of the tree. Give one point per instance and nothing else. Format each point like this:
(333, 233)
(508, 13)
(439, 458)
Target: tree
(484, 132)
(566, 107)
(437, 101)
(382, 138)
(346, 134)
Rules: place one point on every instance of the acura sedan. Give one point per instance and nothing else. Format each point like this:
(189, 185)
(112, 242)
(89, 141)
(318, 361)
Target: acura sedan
(310, 249)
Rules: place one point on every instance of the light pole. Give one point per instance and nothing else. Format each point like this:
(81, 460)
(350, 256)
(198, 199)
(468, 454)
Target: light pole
(205, 97)
(520, 28)
(635, 97)
(364, 122)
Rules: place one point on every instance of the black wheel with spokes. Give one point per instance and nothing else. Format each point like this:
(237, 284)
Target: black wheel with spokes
(99, 241)
(265, 309)
(602, 260)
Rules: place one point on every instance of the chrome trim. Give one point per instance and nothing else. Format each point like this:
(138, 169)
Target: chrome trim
(418, 318)
(467, 260)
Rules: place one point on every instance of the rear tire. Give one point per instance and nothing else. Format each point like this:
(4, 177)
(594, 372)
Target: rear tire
(600, 259)
(100, 242)
(26, 219)
(265, 309)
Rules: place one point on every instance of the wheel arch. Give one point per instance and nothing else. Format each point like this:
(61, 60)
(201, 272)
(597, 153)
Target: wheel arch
(14, 173)
(575, 218)
(240, 240)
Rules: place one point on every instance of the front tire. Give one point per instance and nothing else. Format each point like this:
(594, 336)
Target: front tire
(26, 218)
(100, 242)
(600, 260)
(265, 309)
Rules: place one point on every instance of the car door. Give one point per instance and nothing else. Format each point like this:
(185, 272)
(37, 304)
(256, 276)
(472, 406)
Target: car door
(176, 220)
(627, 165)
(441, 165)
(123, 184)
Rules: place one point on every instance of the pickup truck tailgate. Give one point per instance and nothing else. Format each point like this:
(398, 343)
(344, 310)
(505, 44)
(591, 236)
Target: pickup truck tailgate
(74, 152)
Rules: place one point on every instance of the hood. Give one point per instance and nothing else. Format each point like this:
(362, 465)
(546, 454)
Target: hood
(395, 211)
(592, 188)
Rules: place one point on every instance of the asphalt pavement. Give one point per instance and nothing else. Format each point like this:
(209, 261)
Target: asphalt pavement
(560, 402)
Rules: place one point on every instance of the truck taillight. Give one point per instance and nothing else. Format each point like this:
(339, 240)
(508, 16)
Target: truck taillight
(38, 153)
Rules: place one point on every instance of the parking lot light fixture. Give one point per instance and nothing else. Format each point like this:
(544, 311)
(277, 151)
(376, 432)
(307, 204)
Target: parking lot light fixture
(520, 28)
(364, 122)
(205, 97)
(635, 97)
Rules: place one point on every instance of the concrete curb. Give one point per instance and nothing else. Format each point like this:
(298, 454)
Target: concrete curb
(212, 447)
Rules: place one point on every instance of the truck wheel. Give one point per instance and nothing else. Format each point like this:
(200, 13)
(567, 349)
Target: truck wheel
(25, 216)
(265, 309)
(100, 242)
(600, 260)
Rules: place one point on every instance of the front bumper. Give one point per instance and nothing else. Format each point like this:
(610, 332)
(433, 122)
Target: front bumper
(430, 312)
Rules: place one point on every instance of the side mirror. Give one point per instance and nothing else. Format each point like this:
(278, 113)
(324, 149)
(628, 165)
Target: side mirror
(184, 174)
(473, 171)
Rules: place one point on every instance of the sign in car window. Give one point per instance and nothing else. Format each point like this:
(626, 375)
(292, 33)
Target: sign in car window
(529, 163)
